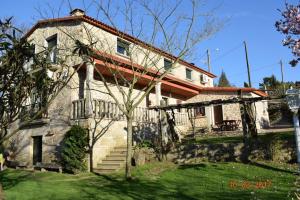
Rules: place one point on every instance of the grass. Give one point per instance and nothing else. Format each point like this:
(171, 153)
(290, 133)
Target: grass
(239, 139)
(157, 181)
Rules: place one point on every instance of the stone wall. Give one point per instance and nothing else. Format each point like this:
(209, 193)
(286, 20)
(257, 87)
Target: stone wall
(279, 150)
(230, 111)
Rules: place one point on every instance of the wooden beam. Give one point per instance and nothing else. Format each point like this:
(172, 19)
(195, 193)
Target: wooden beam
(212, 102)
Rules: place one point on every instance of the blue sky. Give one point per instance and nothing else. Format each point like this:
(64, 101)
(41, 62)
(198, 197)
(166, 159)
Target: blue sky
(250, 21)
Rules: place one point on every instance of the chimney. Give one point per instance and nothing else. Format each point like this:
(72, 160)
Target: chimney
(77, 12)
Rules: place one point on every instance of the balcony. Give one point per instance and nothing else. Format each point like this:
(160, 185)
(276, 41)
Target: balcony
(33, 115)
(110, 110)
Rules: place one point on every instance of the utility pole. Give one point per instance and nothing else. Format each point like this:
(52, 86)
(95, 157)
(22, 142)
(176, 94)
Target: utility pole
(208, 60)
(248, 66)
(281, 68)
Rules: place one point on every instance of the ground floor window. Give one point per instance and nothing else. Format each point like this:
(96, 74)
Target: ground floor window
(200, 111)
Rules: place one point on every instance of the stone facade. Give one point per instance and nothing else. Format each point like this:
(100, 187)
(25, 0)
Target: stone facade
(229, 111)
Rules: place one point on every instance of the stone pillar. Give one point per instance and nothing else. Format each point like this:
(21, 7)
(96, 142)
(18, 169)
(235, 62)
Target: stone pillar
(208, 112)
(88, 87)
(158, 93)
(164, 123)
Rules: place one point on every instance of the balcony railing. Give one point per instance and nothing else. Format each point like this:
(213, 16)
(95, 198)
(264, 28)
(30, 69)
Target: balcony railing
(32, 112)
(110, 110)
(78, 109)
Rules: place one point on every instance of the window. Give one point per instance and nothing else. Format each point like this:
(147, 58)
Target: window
(148, 101)
(200, 111)
(167, 64)
(29, 60)
(201, 78)
(52, 47)
(34, 97)
(166, 100)
(123, 47)
(188, 73)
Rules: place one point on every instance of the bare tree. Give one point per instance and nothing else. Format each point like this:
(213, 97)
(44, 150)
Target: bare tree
(175, 31)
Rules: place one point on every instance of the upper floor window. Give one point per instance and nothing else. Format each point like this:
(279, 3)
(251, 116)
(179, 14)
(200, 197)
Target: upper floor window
(166, 100)
(167, 64)
(188, 74)
(123, 47)
(148, 101)
(29, 60)
(203, 78)
(52, 46)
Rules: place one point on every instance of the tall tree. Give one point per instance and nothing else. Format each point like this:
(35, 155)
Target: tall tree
(223, 81)
(289, 25)
(15, 82)
(270, 83)
(23, 71)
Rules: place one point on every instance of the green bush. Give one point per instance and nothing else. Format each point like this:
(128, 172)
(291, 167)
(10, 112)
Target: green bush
(73, 154)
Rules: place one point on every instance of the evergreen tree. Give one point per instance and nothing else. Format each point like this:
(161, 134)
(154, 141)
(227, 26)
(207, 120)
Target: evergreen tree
(246, 84)
(223, 81)
(74, 148)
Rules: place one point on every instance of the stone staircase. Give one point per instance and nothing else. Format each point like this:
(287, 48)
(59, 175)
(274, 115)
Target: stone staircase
(113, 162)
(198, 131)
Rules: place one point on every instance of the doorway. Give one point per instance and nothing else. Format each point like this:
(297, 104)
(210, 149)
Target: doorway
(218, 114)
(37, 149)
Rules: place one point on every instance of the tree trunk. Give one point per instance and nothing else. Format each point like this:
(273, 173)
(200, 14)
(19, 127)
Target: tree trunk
(1, 193)
(91, 158)
(246, 136)
(129, 148)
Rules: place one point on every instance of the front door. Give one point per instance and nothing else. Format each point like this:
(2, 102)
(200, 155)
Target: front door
(218, 114)
(37, 149)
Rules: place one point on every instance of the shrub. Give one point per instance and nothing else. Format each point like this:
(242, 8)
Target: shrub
(73, 154)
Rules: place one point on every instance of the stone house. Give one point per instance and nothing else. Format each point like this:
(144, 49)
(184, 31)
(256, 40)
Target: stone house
(84, 99)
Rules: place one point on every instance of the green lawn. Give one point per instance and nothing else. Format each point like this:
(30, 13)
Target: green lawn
(238, 139)
(157, 181)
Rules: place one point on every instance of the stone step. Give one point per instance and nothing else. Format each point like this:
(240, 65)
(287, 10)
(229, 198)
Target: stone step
(109, 166)
(112, 161)
(117, 153)
(120, 149)
(123, 148)
(121, 158)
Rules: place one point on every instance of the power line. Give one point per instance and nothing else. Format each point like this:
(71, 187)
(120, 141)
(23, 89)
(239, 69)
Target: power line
(228, 52)
(272, 65)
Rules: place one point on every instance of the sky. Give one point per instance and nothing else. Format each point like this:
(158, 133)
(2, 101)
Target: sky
(251, 21)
